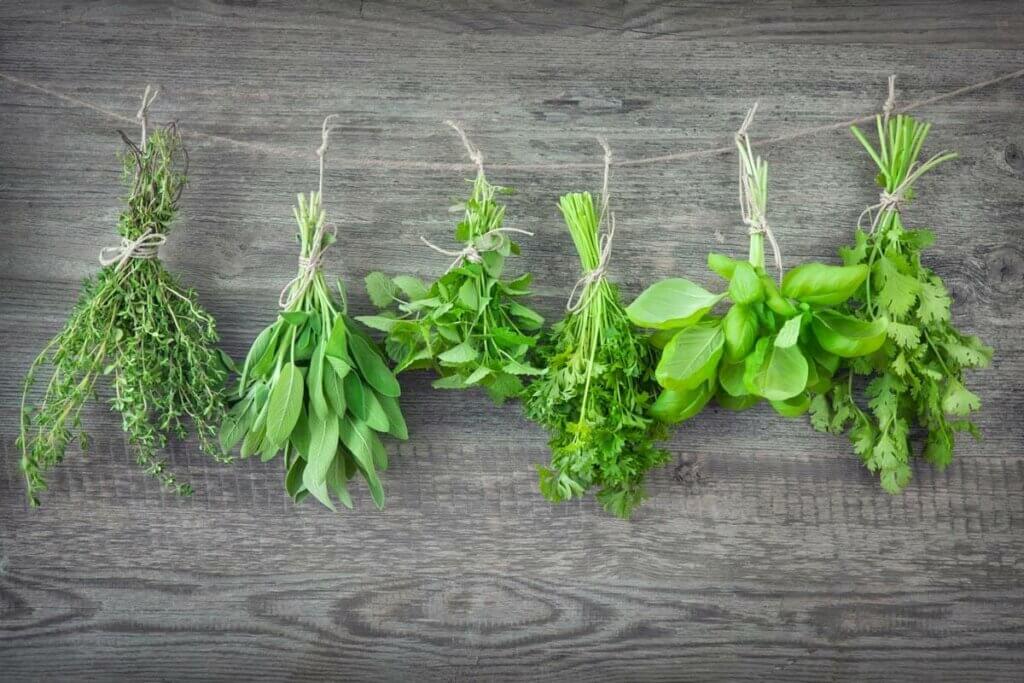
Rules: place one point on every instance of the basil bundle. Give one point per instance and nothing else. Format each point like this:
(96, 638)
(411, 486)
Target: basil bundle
(917, 376)
(782, 345)
(314, 386)
(468, 325)
(596, 394)
(135, 323)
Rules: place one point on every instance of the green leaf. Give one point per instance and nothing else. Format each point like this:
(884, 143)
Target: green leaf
(378, 322)
(355, 395)
(337, 481)
(793, 407)
(284, 404)
(412, 287)
(745, 285)
(959, 400)
(846, 336)
(722, 265)
(373, 367)
(340, 367)
(730, 377)
(260, 349)
(514, 367)
(907, 336)
(691, 358)
(740, 328)
(323, 444)
(934, 302)
(457, 355)
(673, 407)
(315, 382)
(671, 303)
(898, 291)
(819, 284)
(356, 437)
(510, 339)
(775, 372)
(380, 289)
(858, 252)
(789, 333)
(527, 315)
(376, 418)
(396, 422)
(337, 343)
(468, 295)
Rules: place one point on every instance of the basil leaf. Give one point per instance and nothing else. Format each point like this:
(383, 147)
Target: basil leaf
(671, 303)
(691, 358)
(745, 285)
(740, 328)
(846, 336)
(820, 284)
(790, 332)
(775, 372)
(672, 407)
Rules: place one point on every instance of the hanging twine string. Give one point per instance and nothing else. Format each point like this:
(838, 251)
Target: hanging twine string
(309, 265)
(147, 245)
(490, 240)
(752, 210)
(580, 293)
(893, 201)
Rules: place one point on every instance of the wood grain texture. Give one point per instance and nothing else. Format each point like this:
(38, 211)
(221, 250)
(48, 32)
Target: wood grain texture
(765, 552)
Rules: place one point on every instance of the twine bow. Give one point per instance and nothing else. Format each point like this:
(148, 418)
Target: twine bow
(145, 246)
(579, 294)
(752, 202)
(309, 265)
(488, 241)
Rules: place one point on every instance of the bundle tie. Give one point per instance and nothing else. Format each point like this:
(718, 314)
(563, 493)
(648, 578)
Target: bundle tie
(578, 296)
(142, 116)
(146, 246)
(309, 266)
(471, 252)
(751, 212)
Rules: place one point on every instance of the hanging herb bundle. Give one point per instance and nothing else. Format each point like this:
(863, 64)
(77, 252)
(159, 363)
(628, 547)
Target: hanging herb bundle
(135, 324)
(468, 325)
(779, 344)
(917, 376)
(597, 392)
(314, 386)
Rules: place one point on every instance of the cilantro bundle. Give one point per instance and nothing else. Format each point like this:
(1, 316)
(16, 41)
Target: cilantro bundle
(135, 324)
(917, 376)
(778, 344)
(597, 392)
(314, 386)
(468, 325)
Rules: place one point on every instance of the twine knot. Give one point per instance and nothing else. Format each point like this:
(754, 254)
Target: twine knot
(309, 266)
(489, 241)
(890, 101)
(146, 246)
(887, 201)
(579, 294)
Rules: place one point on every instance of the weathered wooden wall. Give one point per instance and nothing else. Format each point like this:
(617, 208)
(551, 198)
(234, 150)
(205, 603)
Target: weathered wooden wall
(766, 552)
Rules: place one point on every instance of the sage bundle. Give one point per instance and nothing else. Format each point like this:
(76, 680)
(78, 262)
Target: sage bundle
(917, 377)
(596, 394)
(314, 386)
(776, 343)
(135, 324)
(469, 325)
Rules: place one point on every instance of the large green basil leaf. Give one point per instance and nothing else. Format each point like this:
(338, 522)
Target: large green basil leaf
(745, 285)
(674, 302)
(673, 406)
(820, 284)
(846, 336)
(775, 372)
(691, 357)
(740, 328)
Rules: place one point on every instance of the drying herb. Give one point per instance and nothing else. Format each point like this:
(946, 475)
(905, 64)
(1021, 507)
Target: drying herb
(135, 324)
(917, 376)
(468, 325)
(599, 385)
(779, 344)
(314, 386)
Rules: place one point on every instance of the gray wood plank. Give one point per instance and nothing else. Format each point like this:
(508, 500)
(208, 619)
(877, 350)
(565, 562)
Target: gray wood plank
(765, 552)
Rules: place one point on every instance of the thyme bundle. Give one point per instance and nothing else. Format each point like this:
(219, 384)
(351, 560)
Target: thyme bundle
(137, 325)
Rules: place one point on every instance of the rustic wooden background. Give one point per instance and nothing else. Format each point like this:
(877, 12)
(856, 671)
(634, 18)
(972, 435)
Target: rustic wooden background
(765, 552)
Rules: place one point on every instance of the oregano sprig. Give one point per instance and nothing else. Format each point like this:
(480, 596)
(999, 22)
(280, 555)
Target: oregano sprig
(135, 324)
(470, 325)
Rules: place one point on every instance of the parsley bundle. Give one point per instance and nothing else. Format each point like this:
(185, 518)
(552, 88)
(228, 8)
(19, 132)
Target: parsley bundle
(314, 386)
(917, 376)
(136, 324)
(597, 392)
(468, 325)
(778, 344)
